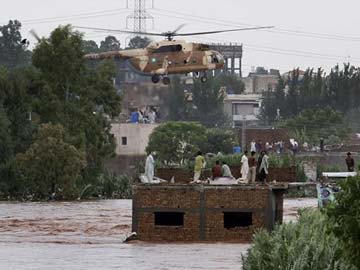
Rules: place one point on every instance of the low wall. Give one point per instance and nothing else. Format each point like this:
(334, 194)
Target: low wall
(282, 174)
(185, 176)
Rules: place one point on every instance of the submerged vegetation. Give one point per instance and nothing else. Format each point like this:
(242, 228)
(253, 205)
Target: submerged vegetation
(320, 239)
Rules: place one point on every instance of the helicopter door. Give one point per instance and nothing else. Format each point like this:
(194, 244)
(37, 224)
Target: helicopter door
(208, 59)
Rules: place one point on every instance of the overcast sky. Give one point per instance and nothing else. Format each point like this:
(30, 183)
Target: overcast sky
(307, 33)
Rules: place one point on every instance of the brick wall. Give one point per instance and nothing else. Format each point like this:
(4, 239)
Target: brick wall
(185, 176)
(282, 174)
(203, 208)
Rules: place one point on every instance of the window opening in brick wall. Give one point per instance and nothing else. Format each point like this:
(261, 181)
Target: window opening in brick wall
(169, 219)
(123, 140)
(237, 219)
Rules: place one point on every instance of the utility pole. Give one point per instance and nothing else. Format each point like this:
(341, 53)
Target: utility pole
(139, 16)
(243, 134)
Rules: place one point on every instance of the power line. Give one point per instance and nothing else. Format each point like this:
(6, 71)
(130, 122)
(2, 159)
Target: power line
(79, 16)
(276, 30)
(288, 52)
(73, 18)
(75, 15)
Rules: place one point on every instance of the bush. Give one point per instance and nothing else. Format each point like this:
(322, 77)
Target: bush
(281, 161)
(50, 165)
(174, 142)
(304, 245)
(345, 214)
(218, 140)
(114, 187)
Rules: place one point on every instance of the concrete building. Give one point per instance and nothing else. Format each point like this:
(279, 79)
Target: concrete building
(232, 213)
(242, 107)
(233, 56)
(131, 139)
(261, 80)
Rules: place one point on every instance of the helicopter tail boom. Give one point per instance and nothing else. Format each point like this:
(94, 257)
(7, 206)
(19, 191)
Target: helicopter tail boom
(125, 54)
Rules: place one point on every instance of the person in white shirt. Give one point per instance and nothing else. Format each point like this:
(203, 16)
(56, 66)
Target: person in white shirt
(149, 168)
(225, 169)
(244, 166)
(253, 146)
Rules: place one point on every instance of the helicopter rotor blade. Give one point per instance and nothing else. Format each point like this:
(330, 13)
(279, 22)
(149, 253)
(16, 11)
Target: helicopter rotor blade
(222, 31)
(35, 35)
(119, 31)
(178, 28)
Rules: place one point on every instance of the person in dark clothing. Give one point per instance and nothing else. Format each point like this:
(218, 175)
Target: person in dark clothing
(350, 162)
(264, 167)
(258, 163)
(216, 170)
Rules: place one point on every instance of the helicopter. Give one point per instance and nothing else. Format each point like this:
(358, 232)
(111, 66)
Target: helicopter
(162, 58)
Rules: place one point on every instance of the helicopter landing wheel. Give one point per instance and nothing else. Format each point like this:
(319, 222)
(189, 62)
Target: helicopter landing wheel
(155, 78)
(166, 80)
(204, 79)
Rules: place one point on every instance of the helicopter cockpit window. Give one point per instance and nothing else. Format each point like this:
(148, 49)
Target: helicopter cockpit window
(218, 58)
(169, 48)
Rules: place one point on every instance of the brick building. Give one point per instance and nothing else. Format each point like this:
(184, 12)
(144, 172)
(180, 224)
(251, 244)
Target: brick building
(231, 213)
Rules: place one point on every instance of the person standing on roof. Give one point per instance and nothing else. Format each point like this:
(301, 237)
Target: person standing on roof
(253, 146)
(244, 166)
(350, 162)
(264, 167)
(149, 168)
(252, 167)
(199, 165)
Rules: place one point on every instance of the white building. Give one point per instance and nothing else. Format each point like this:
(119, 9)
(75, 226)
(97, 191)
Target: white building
(132, 139)
(242, 107)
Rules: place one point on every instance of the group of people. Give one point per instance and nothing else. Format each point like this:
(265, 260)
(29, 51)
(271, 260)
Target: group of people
(252, 169)
(258, 147)
(147, 116)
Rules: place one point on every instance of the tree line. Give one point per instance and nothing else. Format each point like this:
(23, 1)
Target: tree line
(54, 111)
(313, 104)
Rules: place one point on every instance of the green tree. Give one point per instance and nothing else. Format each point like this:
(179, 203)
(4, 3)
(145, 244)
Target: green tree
(175, 142)
(6, 144)
(231, 82)
(78, 98)
(17, 88)
(50, 164)
(208, 100)
(179, 107)
(345, 215)
(304, 245)
(90, 46)
(110, 44)
(340, 90)
(218, 140)
(13, 49)
(139, 42)
(316, 124)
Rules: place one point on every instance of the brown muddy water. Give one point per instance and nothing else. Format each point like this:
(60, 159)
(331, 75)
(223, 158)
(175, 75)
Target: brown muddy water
(89, 235)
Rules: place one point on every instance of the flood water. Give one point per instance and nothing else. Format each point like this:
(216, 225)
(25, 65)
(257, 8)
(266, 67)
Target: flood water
(89, 235)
